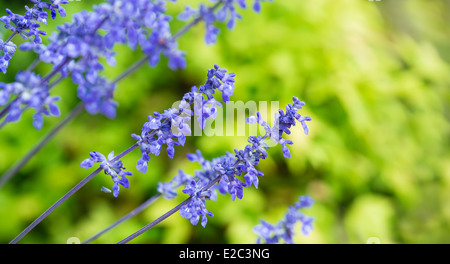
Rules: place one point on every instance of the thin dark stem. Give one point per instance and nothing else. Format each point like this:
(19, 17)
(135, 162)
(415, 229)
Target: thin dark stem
(11, 172)
(7, 107)
(56, 205)
(11, 37)
(166, 215)
(33, 64)
(155, 222)
(134, 212)
(131, 69)
(54, 71)
(67, 195)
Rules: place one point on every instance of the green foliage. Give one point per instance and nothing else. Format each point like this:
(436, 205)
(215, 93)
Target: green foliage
(374, 76)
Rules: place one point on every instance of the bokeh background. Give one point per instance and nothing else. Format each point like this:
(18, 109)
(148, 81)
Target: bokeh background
(375, 77)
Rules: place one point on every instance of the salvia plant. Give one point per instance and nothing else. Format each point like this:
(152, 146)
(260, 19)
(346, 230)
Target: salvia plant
(77, 51)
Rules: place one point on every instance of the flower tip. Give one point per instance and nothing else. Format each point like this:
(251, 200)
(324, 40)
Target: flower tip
(87, 163)
(286, 152)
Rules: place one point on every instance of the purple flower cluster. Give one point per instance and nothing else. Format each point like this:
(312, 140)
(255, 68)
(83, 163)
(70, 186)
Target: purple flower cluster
(168, 189)
(228, 169)
(31, 92)
(284, 230)
(171, 127)
(78, 48)
(8, 48)
(283, 123)
(197, 205)
(98, 96)
(113, 168)
(28, 25)
(227, 12)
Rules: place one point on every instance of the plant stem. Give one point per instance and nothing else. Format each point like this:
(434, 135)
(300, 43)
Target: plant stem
(166, 215)
(55, 205)
(67, 195)
(155, 222)
(11, 37)
(10, 173)
(134, 212)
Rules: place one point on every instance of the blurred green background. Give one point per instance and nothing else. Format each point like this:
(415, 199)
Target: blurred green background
(375, 78)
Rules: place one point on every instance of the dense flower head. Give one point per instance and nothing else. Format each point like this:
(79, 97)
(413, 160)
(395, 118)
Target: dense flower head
(113, 168)
(8, 48)
(97, 95)
(78, 47)
(196, 208)
(282, 124)
(284, 230)
(224, 11)
(144, 23)
(28, 25)
(234, 172)
(31, 92)
(168, 189)
(171, 127)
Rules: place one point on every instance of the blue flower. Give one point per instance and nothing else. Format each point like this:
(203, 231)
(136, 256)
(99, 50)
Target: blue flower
(97, 95)
(28, 25)
(304, 201)
(284, 230)
(266, 232)
(171, 127)
(233, 186)
(196, 207)
(282, 124)
(225, 10)
(168, 189)
(4, 63)
(31, 92)
(227, 169)
(113, 168)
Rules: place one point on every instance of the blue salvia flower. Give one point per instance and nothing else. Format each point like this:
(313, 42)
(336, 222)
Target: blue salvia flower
(284, 230)
(227, 12)
(283, 123)
(113, 168)
(78, 47)
(196, 208)
(8, 48)
(27, 26)
(229, 168)
(31, 92)
(97, 96)
(168, 189)
(171, 127)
